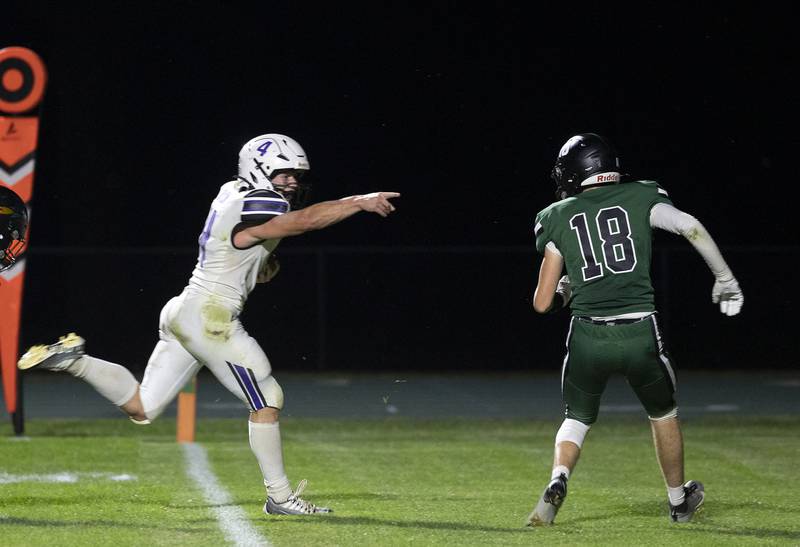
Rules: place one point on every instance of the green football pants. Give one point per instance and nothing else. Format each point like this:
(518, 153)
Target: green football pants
(596, 351)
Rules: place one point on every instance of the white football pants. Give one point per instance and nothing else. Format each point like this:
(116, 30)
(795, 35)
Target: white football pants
(196, 330)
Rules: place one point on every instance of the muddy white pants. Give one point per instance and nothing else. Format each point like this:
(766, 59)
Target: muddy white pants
(197, 330)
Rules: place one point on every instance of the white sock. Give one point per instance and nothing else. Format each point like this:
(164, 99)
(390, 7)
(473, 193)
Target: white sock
(676, 495)
(265, 442)
(557, 470)
(112, 381)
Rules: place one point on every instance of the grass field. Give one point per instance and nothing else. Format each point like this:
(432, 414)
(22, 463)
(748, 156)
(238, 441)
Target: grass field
(397, 482)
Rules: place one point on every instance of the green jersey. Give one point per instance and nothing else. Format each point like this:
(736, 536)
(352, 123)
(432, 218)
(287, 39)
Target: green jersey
(605, 238)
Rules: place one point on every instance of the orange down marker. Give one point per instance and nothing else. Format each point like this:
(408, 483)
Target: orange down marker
(22, 82)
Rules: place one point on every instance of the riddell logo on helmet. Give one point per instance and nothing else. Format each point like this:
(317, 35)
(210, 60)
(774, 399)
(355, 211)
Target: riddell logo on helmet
(601, 178)
(607, 177)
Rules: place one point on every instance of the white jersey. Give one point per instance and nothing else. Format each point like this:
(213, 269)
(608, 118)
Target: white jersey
(222, 269)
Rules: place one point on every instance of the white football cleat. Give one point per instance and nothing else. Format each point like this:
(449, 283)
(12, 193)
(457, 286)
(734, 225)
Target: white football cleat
(295, 505)
(547, 508)
(695, 495)
(56, 356)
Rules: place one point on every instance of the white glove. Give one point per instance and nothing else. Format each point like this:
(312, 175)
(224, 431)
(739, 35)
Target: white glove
(728, 295)
(564, 289)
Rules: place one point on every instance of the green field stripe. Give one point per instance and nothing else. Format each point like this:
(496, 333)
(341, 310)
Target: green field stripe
(400, 482)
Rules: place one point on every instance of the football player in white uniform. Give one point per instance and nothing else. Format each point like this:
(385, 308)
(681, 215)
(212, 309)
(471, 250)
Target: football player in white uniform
(201, 326)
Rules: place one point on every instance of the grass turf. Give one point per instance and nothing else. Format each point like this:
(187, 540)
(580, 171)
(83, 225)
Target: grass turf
(398, 481)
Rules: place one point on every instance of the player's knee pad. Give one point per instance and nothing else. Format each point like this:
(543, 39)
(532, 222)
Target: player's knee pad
(572, 431)
(272, 392)
(669, 415)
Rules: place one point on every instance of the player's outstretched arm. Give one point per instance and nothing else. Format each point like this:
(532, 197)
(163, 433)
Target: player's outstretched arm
(315, 217)
(726, 291)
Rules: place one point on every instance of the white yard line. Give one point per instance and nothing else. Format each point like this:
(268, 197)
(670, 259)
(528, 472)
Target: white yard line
(64, 477)
(231, 518)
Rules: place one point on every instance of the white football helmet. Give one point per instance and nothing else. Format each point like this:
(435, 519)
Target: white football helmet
(261, 156)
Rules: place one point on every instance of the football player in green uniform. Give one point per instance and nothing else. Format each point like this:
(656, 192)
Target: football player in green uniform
(600, 232)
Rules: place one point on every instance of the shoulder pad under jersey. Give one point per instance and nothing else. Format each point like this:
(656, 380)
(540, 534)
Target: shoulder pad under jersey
(262, 205)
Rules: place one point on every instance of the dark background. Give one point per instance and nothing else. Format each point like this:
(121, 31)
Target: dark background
(463, 110)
